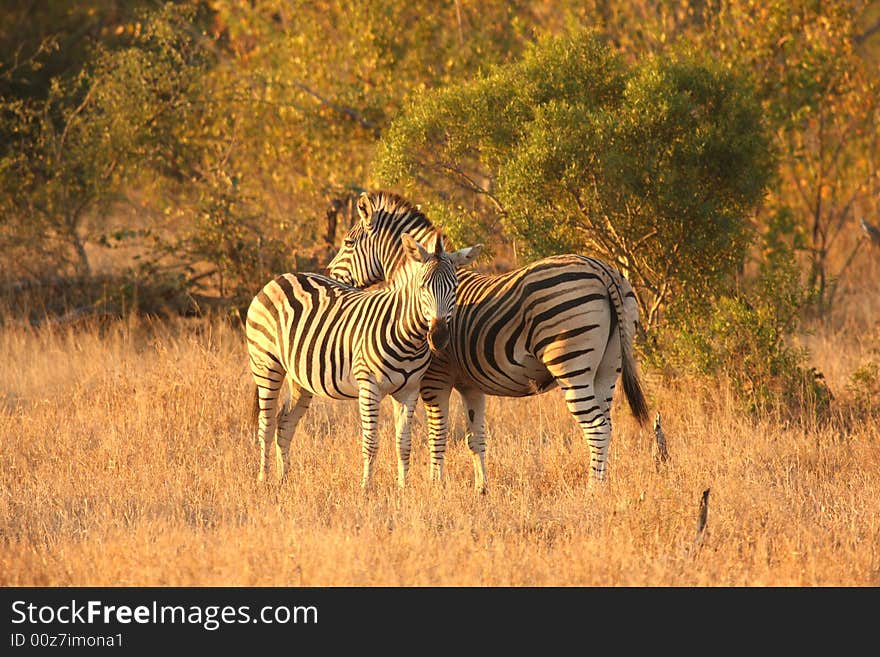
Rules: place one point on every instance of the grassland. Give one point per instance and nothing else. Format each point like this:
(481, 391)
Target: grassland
(127, 458)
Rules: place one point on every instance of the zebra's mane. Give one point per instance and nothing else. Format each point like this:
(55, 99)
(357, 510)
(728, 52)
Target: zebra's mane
(395, 215)
(400, 270)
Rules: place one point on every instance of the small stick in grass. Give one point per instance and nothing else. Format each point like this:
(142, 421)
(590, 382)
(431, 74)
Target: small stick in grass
(702, 516)
(661, 455)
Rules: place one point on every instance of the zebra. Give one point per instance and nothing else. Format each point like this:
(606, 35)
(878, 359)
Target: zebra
(566, 320)
(331, 340)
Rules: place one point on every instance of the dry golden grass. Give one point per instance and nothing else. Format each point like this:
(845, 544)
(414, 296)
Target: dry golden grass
(127, 459)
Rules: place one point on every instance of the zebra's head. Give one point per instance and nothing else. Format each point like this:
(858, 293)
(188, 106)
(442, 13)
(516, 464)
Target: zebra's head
(372, 248)
(435, 281)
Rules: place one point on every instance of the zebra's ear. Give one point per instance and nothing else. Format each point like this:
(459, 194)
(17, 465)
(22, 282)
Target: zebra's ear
(413, 249)
(466, 256)
(365, 210)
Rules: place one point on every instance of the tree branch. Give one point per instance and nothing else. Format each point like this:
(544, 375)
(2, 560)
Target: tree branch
(45, 45)
(859, 39)
(340, 109)
(468, 183)
(69, 122)
(349, 112)
(596, 233)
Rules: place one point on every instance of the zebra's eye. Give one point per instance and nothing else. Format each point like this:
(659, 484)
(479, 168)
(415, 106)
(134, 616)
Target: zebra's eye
(349, 242)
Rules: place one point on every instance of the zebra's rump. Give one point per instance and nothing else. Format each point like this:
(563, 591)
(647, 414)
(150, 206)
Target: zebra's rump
(507, 329)
(295, 316)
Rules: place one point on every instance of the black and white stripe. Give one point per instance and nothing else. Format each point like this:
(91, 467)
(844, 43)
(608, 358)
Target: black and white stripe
(326, 338)
(566, 320)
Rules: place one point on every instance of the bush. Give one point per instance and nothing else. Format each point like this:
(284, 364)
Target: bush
(227, 236)
(864, 383)
(652, 167)
(65, 300)
(742, 336)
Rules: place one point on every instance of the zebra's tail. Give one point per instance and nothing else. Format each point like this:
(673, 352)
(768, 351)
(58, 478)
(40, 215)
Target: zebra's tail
(632, 385)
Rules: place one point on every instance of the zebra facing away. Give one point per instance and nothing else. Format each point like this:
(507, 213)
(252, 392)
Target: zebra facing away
(566, 320)
(331, 340)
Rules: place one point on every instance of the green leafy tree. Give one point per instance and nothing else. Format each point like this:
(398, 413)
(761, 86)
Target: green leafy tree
(654, 167)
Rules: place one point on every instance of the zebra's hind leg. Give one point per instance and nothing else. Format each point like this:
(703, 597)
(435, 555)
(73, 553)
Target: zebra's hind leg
(605, 381)
(590, 414)
(288, 418)
(475, 408)
(404, 406)
(574, 368)
(265, 432)
(436, 401)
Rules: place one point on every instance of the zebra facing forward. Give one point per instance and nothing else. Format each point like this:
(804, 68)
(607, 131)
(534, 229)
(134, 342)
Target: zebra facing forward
(331, 340)
(566, 320)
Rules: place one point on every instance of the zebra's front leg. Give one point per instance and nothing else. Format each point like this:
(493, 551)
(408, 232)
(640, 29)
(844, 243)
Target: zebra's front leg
(436, 400)
(369, 398)
(265, 431)
(475, 408)
(269, 384)
(288, 418)
(404, 406)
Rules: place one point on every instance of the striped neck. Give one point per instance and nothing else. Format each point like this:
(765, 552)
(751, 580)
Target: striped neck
(404, 285)
(392, 257)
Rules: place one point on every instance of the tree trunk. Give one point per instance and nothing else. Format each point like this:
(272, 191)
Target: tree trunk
(83, 268)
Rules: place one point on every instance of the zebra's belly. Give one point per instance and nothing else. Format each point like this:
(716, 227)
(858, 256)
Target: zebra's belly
(524, 377)
(344, 384)
(335, 385)
(389, 382)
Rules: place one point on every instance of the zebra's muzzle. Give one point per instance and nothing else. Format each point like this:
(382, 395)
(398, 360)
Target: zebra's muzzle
(341, 276)
(438, 335)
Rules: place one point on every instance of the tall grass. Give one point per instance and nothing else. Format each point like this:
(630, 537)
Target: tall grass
(126, 458)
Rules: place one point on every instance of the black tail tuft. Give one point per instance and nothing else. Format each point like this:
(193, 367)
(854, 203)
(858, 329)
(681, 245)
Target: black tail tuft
(632, 388)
